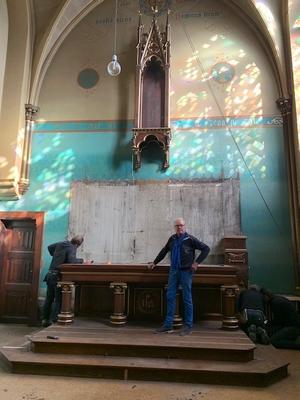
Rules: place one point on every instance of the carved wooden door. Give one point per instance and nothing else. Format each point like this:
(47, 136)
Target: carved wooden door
(18, 294)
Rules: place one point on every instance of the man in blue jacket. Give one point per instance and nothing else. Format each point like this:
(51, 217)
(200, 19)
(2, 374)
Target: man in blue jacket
(182, 247)
(62, 253)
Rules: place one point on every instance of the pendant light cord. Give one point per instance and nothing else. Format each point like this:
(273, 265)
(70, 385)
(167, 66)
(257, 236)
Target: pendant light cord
(116, 17)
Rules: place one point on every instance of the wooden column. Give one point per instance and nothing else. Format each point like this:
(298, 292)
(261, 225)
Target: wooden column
(119, 317)
(66, 315)
(228, 295)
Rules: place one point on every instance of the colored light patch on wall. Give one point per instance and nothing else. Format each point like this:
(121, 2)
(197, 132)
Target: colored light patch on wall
(295, 44)
(200, 150)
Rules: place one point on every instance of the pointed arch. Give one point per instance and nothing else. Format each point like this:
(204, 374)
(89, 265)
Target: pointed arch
(72, 12)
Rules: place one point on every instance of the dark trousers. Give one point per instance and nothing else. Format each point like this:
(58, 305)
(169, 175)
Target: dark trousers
(286, 338)
(52, 303)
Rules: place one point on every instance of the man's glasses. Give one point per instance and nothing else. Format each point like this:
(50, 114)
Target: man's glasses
(179, 225)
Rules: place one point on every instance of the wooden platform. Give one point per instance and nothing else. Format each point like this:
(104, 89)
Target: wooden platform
(92, 349)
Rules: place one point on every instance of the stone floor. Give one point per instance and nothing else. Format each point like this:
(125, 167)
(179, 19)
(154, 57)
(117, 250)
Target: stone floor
(30, 387)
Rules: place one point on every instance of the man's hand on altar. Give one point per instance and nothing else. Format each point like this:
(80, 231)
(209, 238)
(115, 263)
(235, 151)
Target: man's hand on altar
(194, 267)
(89, 262)
(150, 265)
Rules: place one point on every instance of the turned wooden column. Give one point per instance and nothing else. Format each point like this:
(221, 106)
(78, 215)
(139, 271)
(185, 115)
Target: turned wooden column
(119, 317)
(228, 295)
(66, 315)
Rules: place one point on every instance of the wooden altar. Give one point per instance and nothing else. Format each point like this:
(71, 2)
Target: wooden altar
(131, 291)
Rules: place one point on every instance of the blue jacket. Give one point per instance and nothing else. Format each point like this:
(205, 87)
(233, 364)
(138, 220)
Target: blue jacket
(187, 254)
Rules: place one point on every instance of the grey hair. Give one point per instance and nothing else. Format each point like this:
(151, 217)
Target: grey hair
(77, 239)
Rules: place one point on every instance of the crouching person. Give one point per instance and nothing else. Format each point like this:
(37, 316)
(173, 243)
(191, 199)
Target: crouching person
(284, 326)
(251, 315)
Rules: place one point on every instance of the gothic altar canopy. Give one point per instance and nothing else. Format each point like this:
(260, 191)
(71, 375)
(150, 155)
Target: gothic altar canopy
(152, 119)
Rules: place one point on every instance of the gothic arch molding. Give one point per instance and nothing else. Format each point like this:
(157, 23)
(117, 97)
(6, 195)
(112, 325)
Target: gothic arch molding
(74, 11)
(67, 19)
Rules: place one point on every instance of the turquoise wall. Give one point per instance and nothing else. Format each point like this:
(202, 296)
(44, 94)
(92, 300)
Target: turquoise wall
(200, 149)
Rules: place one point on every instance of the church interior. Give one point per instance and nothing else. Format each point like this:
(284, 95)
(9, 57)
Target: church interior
(116, 118)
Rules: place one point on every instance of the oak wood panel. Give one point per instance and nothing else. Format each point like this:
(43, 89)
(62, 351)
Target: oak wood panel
(145, 296)
(21, 241)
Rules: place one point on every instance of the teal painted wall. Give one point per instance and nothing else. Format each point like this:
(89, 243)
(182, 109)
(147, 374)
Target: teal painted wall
(200, 149)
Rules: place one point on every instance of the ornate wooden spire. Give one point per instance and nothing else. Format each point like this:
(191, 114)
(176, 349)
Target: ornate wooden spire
(152, 121)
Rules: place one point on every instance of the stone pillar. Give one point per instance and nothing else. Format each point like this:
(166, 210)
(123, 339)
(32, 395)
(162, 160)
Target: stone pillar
(30, 111)
(119, 317)
(288, 112)
(66, 315)
(228, 296)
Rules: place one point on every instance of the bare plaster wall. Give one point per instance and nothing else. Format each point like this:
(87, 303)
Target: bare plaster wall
(124, 222)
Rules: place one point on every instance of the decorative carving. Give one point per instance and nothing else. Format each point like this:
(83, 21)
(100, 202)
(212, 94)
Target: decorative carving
(12, 189)
(147, 302)
(285, 105)
(23, 186)
(30, 111)
(237, 256)
(152, 121)
(161, 135)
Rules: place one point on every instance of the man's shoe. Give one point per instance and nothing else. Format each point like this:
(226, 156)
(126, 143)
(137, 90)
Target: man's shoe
(185, 331)
(262, 333)
(164, 329)
(252, 333)
(45, 323)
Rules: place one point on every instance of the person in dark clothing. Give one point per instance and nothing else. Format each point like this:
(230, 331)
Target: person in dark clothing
(62, 253)
(285, 321)
(251, 314)
(182, 247)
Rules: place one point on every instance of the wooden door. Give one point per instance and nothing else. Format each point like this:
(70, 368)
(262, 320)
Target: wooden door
(20, 266)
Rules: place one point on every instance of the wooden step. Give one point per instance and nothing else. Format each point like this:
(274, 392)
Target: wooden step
(263, 370)
(93, 349)
(201, 344)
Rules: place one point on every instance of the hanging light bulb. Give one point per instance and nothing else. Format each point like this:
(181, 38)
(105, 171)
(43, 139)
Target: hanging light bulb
(114, 67)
